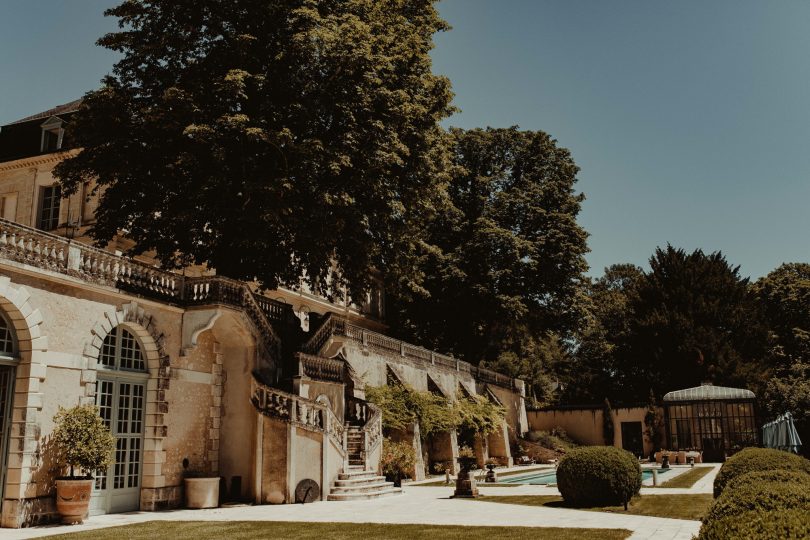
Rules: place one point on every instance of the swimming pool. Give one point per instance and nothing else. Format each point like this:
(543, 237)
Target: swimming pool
(550, 477)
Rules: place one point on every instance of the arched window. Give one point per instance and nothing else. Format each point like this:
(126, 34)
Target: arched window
(121, 399)
(121, 350)
(8, 363)
(8, 342)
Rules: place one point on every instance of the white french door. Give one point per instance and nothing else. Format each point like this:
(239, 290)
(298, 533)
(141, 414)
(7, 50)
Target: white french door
(6, 404)
(121, 402)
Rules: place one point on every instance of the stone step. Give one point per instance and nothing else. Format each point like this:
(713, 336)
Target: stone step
(354, 480)
(365, 495)
(356, 474)
(362, 488)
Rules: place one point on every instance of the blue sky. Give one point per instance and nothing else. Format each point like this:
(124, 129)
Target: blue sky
(690, 120)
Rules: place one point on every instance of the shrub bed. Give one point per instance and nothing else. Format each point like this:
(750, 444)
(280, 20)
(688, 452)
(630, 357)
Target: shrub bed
(598, 476)
(757, 459)
(761, 496)
(784, 524)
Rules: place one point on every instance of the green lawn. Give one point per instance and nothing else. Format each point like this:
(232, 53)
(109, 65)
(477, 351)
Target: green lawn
(687, 479)
(249, 530)
(668, 506)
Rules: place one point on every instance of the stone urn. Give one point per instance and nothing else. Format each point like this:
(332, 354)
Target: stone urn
(466, 487)
(73, 499)
(491, 476)
(665, 461)
(202, 492)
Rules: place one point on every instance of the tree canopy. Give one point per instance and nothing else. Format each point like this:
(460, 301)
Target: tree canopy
(509, 259)
(267, 139)
(691, 318)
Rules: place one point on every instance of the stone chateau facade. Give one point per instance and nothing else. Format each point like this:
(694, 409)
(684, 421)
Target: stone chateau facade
(196, 374)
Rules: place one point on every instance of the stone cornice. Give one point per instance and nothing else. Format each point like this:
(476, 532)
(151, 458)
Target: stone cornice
(36, 161)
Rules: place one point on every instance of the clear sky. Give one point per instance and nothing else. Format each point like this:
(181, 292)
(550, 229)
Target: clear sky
(690, 120)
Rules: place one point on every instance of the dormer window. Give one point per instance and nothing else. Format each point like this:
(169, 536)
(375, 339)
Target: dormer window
(52, 134)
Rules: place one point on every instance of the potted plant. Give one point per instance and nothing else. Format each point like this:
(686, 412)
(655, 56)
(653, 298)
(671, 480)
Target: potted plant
(84, 444)
(466, 458)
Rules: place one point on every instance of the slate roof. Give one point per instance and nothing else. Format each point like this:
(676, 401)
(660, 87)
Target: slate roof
(56, 111)
(708, 392)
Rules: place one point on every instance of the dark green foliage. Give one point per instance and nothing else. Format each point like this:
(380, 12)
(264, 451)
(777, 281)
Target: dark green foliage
(598, 476)
(694, 320)
(509, 259)
(608, 429)
(654, 421)
(781, 524)
(690, 319)
(785, 297)
(603, 342)
(268, 139)
(757, 459)
(758, 495)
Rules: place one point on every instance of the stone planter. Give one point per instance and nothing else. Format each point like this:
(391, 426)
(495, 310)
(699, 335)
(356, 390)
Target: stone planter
(465, 482)
(466, 463)
(73, 499)
(202, 492)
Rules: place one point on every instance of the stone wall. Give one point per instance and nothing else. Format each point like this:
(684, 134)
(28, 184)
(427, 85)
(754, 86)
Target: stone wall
(585, 425)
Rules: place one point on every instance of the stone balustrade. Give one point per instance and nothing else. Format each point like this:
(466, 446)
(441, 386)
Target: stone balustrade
(337, 325)
(299, 411)
(56, 254)
(317, 367)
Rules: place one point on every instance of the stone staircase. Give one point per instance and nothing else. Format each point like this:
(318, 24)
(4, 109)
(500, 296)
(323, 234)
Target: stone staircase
(359, 483)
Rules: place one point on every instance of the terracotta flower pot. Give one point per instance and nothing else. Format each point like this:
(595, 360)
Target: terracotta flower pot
(73, 499)
(202, 492)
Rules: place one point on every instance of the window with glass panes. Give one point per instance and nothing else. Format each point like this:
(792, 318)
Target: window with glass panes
(120, 396)
(49, 201)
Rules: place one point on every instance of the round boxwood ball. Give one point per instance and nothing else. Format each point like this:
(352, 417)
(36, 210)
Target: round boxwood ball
(764, 496)
(598, 476)
(757, 459)
(780, 476)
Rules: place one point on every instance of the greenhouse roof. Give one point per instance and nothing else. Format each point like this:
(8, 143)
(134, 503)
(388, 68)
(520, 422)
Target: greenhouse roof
(708, 392)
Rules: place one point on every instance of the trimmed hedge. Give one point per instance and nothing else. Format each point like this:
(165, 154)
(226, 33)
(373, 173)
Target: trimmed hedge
(761, 477)
(761, 496)
(757, 459)
(784, 524)
(598, 476)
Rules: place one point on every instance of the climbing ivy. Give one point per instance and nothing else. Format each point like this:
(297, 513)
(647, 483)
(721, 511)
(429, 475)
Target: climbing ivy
(402, 406)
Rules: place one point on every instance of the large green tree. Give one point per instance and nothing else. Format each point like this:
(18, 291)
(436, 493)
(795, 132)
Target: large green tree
(785, 298)
(268, 139)
(694, 319)
(508, 262)
(596, 370)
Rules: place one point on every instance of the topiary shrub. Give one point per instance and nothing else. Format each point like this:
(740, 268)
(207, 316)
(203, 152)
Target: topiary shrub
(757, 459)
(784, 524)
(81, 440)
(762, 496)
(598, 476)
(760, 477)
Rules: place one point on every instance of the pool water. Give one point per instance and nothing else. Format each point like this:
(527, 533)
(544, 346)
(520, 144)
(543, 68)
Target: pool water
(550, 477)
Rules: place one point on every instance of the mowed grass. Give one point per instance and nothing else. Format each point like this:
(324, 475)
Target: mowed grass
(687, 506)
(249, 530)
(687, 479)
